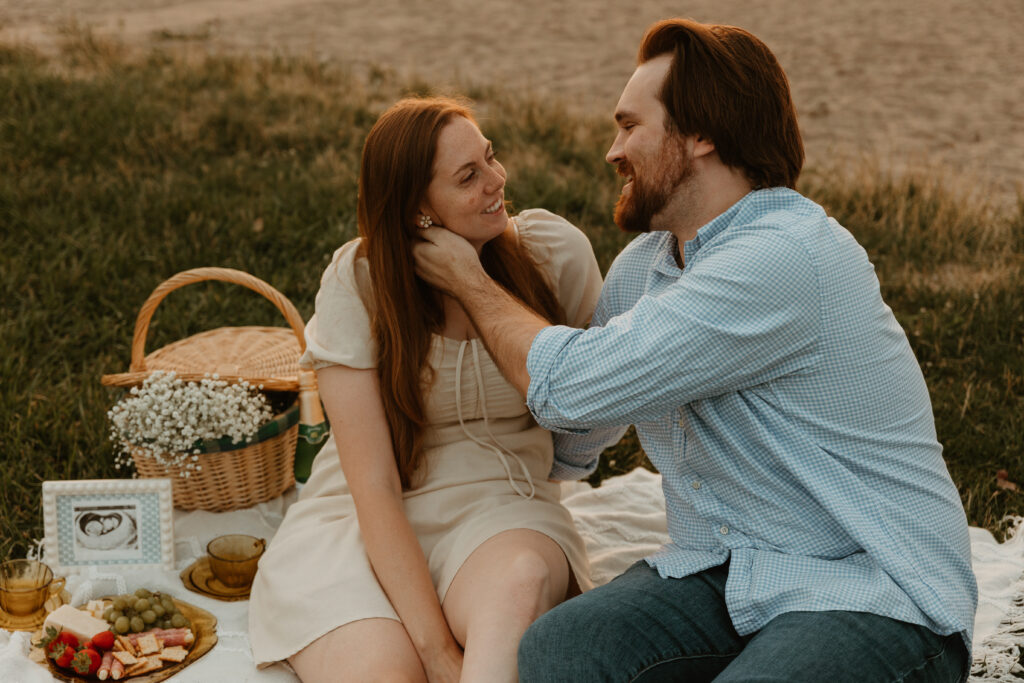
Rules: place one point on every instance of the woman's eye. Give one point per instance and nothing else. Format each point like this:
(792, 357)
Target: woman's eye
(468, 177)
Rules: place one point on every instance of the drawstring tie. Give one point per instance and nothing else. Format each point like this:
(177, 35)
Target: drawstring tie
(496, 447)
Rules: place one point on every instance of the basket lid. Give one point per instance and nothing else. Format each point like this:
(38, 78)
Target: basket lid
(259, 355)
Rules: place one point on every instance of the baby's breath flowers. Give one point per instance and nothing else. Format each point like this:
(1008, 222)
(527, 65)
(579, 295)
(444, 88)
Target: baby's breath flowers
(167, 418)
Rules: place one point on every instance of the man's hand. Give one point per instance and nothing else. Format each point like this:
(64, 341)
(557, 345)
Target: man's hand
(450, 264)
(447, 261)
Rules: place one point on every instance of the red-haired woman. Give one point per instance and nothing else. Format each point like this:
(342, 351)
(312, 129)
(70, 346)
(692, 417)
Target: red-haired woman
(428, 536)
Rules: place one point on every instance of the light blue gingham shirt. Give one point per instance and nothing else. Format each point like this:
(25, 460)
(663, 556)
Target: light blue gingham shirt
(780, 400)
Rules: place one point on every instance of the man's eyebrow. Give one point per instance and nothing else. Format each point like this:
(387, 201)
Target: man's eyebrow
(624, 114)
(466, 165)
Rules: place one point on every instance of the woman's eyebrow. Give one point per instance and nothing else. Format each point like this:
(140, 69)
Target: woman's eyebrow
(466, 165)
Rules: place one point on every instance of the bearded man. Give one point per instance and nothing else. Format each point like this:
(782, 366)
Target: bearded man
(815, 533)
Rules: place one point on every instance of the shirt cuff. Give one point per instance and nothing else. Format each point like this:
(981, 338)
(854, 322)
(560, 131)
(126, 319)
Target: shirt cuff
(565, 472)
(540, 361)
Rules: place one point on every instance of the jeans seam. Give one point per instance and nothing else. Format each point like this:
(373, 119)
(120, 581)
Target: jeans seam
(928, 660)
(666, 660)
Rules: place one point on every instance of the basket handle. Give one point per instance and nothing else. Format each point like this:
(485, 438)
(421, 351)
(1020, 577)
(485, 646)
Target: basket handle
(188, 277)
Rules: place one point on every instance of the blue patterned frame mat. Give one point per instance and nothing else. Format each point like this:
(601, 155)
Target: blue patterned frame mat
(106, 523)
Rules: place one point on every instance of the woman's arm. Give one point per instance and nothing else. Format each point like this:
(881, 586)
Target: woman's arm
(354, 407)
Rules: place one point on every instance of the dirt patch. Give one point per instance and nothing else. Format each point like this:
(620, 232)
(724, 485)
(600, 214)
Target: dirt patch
(920, 83)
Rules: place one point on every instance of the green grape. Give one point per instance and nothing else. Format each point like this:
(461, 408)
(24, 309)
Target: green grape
(141, 605)
(106, 614)
(165, 623)
(122, 625)
(158, 610)
(114, 614)
(120, 603)
(178, 621)
(138, 625)
(169, 606)
(149, 616)
(142, 593)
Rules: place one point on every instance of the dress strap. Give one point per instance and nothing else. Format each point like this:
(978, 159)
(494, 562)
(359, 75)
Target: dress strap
(496, 447)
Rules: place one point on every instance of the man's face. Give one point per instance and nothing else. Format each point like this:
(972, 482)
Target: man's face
(655, 162)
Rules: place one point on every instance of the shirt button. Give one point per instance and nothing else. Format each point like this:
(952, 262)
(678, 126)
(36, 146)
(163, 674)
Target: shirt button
(682, 422)
(723, 530)
(696, 485)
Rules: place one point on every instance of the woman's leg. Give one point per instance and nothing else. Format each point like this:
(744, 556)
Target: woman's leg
(504, 585)
(365, 650)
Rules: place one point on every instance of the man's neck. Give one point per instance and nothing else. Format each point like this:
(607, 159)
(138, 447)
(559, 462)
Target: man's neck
(698, 202)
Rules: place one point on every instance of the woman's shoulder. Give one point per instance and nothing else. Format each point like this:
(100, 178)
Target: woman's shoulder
(548, 235)
(348, 272)
(339, 331)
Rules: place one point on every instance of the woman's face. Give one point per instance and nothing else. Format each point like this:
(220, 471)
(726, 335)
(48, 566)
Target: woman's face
(467, 191)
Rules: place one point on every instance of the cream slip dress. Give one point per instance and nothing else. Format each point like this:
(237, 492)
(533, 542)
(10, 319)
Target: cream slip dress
(486, 460)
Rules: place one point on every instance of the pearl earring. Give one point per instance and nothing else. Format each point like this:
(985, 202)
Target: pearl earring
(425, 221)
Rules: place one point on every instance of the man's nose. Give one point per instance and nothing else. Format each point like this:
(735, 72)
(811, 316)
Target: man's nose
(615, 153)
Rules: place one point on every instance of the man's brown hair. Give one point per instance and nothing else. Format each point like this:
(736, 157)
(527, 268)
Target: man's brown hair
(726, 85)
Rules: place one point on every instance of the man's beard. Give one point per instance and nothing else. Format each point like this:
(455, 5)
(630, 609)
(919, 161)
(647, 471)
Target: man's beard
(673, 167)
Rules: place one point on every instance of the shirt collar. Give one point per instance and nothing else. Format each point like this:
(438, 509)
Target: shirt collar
(718, 224)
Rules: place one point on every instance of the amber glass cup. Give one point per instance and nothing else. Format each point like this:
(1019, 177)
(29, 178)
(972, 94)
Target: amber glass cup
(25, 586)
(233, 558)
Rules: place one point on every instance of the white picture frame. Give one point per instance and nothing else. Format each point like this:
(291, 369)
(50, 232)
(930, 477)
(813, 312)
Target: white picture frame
(106, 523)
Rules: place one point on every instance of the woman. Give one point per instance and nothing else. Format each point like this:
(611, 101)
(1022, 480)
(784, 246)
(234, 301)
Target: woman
(428, 536)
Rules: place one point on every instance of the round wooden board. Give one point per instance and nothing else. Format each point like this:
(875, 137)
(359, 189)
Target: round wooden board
(204, 626)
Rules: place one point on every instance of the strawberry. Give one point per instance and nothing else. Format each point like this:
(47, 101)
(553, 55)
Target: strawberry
(86, 661)
(68, 638)
(63, 659)
(56, 641)
(103, 640)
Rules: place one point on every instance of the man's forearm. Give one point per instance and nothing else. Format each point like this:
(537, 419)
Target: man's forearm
(506, 326)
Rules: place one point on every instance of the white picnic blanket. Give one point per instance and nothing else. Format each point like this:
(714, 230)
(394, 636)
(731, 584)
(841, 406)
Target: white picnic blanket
(621, 522)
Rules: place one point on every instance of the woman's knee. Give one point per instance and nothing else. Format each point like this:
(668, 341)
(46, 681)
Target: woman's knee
(529, 581)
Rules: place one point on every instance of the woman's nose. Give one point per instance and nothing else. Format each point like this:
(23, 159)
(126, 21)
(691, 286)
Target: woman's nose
(496, 178)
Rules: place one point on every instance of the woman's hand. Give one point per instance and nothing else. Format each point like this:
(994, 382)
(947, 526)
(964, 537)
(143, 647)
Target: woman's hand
(447, 261)
(445, 665)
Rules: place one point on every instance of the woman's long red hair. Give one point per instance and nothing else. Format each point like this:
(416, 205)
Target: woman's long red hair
(397, 163)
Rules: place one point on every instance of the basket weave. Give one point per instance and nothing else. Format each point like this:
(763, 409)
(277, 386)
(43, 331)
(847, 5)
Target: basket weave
(268, 356)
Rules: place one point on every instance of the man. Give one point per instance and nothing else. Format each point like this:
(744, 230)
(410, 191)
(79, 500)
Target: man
(815, 532)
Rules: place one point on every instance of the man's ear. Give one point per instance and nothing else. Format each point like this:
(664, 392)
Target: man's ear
(702, 146)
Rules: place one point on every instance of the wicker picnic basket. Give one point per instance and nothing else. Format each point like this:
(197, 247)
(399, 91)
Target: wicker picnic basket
(235, 477)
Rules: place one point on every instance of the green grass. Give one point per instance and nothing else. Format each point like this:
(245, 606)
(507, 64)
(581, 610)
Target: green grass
(118, 170)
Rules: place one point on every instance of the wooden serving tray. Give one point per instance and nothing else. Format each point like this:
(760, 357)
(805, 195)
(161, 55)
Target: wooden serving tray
(204, 627)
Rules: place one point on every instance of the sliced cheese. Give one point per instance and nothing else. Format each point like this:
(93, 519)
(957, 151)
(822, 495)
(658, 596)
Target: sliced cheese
(73, 620)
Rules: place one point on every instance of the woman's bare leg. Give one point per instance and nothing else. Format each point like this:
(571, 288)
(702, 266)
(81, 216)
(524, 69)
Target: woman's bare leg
(366, 650)
(506, 583)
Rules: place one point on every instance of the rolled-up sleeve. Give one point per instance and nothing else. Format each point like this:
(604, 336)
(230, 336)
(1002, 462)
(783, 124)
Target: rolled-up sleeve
(747, 312)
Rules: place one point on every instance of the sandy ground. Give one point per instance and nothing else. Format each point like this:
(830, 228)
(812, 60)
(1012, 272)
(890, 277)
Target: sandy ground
(918, 83)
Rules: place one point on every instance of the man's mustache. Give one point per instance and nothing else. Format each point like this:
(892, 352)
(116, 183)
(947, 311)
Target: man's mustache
(625, 169)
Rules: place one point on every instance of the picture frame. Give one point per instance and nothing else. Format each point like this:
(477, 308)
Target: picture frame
(124, 523)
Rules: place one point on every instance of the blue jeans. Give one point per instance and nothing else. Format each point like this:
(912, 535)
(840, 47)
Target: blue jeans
(641, 627)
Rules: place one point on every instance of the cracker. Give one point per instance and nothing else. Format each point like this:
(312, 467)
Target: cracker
(125, 644)
(174, 654)
(125, 657)
(144, 666)
(148, 644)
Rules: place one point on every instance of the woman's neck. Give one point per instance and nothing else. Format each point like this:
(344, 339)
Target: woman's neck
(457, 324)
